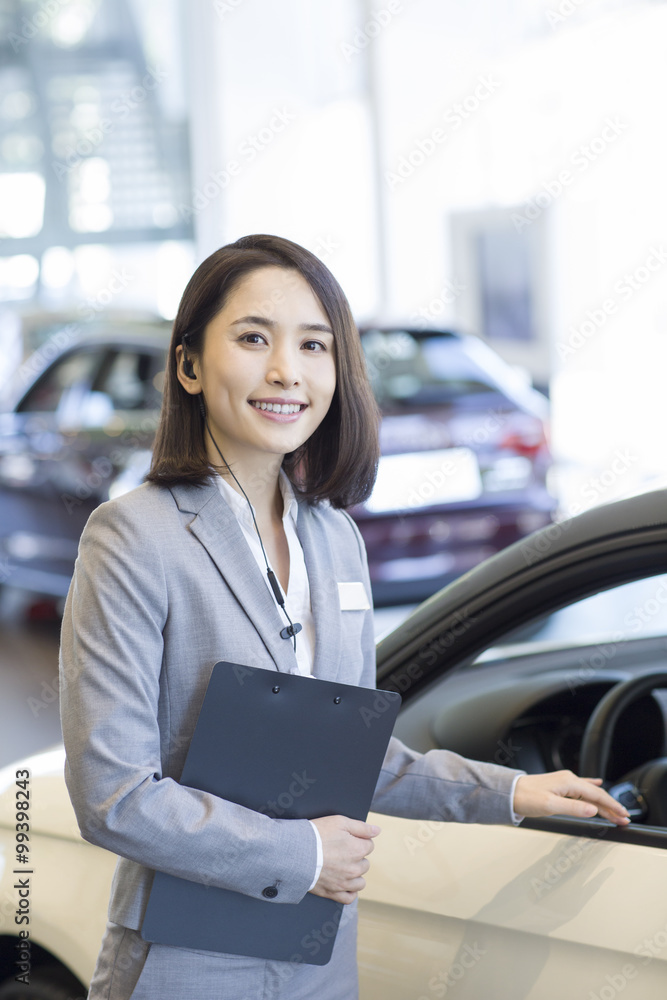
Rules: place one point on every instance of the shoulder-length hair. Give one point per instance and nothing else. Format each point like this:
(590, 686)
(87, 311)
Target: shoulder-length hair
(339, 460)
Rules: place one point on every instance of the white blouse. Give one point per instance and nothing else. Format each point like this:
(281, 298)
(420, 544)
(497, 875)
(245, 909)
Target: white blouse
(297, 598)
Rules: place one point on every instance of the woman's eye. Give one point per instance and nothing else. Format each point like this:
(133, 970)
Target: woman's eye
(257, 339)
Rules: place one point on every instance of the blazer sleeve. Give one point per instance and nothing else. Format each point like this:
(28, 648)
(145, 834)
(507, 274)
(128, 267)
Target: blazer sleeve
(440, 784)
(110, 665)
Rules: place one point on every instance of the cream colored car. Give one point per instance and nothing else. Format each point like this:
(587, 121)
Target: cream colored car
(549, 655)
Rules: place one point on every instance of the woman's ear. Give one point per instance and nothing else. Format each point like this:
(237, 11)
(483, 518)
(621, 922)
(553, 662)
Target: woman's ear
(185, 371)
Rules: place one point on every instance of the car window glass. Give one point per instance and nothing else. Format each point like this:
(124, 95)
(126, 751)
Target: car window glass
(630, 611)
(420, 370)
(74, 370)
(127, 379)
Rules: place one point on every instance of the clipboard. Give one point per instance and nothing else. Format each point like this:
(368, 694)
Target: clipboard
(257, 730)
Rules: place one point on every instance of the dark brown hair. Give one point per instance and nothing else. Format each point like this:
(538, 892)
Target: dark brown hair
(339, 460)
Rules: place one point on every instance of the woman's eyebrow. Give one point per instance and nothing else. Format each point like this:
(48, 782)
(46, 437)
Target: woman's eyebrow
(263, 321)
(321, 327)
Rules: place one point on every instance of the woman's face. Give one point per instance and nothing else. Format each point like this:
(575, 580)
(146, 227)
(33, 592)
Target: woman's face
(270, 346)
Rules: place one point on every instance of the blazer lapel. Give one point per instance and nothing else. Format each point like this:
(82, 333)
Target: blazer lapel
(216, 527)
(318, 556)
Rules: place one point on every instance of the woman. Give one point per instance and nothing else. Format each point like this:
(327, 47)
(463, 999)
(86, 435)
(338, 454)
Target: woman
(268, 431)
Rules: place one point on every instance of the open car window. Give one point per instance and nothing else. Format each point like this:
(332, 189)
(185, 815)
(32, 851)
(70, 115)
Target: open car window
(633, 610)
(526, 700)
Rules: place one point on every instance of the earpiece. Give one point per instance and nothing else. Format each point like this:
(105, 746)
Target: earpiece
(187, 363)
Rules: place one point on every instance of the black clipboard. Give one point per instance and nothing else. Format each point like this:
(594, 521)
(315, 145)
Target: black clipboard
(256, 730)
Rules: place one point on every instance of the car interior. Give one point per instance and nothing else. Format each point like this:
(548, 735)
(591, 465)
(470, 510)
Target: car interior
(546, 697)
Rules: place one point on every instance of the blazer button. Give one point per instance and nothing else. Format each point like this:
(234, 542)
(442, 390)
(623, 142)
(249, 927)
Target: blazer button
(270, 892)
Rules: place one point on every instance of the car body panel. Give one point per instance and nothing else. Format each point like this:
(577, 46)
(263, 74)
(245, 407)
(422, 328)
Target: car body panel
(70, 880)
(522, 913)
(439, 897)
(69, 899)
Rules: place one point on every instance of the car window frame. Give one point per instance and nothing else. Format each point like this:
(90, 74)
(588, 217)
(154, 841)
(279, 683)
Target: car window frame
(47, 373)
(467, 628)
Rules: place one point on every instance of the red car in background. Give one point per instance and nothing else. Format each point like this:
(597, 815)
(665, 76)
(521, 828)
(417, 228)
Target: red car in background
(464, 463)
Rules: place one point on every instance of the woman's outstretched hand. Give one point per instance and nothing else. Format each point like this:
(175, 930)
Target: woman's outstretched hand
(345, 846)
(563, 793)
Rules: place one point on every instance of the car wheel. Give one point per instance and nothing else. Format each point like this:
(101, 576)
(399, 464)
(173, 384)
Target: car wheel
(48, 983)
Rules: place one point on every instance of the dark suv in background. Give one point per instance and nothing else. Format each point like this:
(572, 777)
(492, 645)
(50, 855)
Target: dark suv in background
(462, 473)
(84, 412)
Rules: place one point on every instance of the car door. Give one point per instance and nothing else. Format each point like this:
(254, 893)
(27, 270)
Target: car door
(556, 907)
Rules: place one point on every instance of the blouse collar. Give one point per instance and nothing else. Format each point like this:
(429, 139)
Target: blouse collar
(239, 504)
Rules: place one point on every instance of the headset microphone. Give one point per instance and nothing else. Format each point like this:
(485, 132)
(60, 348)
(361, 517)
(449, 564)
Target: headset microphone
(290, 631)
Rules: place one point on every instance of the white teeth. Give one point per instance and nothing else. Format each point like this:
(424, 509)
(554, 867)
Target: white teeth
(277, 407)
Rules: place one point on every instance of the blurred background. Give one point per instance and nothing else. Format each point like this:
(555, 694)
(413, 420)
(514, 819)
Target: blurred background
(485, 181)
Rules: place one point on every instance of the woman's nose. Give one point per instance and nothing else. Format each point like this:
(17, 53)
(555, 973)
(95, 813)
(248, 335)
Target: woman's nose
(283, 368)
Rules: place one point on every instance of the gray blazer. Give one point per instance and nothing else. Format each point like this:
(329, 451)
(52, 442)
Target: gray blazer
(164, 587)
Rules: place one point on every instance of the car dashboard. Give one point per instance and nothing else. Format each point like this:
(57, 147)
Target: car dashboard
(527, 707)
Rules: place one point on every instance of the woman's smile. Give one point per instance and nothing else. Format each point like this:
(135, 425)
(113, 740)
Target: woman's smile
(284, 411)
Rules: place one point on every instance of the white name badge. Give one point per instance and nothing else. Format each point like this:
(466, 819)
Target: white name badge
(352, 597)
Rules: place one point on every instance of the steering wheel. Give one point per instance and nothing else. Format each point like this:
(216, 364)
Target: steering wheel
(651, 777)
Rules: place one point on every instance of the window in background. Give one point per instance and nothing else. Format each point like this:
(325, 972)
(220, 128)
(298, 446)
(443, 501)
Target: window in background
(93, 144)
(505, 295)
(506, 281)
